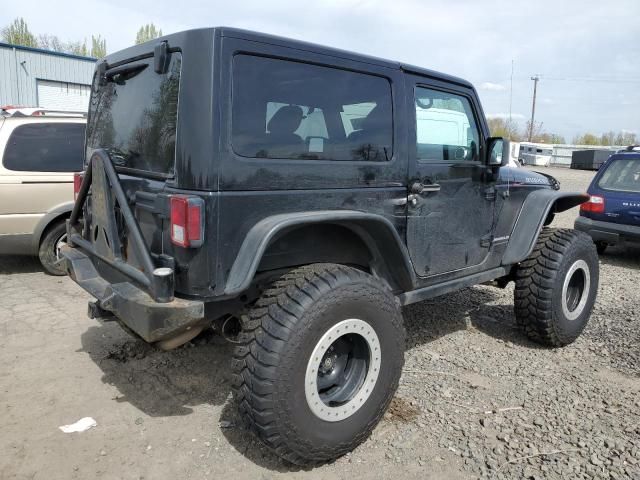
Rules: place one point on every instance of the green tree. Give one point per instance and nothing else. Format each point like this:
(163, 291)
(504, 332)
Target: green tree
(18, 33)
(586, 139)
(147, 32)
(534, 133)
(98, 46)
(626, 138)
(51, 42)
(77, 48)
(608, 138)
(611, 138)
(508, 129)
(552, 138)
(538, 135)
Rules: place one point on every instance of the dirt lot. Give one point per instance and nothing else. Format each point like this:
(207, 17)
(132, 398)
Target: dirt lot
(476, 399)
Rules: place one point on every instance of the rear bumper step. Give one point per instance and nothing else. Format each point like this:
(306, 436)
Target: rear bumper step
(151, 320)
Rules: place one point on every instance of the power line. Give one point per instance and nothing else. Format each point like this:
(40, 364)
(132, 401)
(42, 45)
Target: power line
(590, 79)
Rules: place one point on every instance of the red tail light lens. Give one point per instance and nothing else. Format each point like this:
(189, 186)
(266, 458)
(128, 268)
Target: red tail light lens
(187, 221)
(594, 205)
(77, 183)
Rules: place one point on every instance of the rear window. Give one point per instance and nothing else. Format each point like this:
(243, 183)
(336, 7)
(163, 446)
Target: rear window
(291, 110)
(134, 118)
(622, 175)
(45, 147)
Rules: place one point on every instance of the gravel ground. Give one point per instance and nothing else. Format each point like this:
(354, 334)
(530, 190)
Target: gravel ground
(476, 399)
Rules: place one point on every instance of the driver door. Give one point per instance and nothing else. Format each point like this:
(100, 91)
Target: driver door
(450, 202)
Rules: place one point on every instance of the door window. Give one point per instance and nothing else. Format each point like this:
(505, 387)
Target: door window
(446, 129)
(45, 147)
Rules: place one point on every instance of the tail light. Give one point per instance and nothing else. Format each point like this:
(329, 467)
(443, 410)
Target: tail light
(77, 183)
(594, 205)
(187, 221)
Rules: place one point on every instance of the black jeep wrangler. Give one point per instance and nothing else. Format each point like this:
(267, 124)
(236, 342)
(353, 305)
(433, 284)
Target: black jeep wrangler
(309, 193)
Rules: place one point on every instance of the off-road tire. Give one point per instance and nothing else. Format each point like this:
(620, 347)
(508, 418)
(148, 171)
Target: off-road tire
(539, 286)
(47, 250)
(279, 334)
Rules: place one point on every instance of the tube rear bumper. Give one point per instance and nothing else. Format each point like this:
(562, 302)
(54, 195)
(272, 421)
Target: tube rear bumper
(151, 320)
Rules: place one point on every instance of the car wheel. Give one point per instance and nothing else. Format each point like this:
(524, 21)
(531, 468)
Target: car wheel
(601, 247)
(320, 358)
(556, 287)
(50, 244)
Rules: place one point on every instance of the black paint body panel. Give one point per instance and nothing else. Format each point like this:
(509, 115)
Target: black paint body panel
(264, 214)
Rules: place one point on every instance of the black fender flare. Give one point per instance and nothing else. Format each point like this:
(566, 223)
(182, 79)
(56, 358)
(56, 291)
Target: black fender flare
(377, 232)
(535, 209)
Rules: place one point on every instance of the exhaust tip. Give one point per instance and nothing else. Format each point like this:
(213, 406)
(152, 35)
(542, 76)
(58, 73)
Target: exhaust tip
(163, 272)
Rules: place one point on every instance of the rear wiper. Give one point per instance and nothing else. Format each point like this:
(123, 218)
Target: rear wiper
(124, 72)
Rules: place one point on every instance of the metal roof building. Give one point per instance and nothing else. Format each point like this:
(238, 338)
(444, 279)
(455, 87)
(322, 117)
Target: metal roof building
(33, 77)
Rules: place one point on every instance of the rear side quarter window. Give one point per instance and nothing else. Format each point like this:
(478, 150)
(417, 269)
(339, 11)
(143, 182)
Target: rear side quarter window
(291, 110)
(45, 147)
(622, 175)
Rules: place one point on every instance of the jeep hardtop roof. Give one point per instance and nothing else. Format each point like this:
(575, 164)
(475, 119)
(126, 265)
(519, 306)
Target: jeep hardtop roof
(144, 48)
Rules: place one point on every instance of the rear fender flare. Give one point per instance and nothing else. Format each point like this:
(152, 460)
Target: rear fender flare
(377, 232)
(536, 208)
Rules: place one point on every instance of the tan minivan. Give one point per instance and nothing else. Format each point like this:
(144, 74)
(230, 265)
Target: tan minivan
(40, 153)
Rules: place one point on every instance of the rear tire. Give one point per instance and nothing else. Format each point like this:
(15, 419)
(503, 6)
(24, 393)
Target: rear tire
(48, 251)
(320, 359)
(556, 287)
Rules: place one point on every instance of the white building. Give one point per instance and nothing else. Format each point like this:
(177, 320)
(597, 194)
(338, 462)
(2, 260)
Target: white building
(32, 77)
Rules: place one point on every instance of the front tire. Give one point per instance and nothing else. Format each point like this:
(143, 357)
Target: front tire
(53, 237)
(321, 356)
(556, 287)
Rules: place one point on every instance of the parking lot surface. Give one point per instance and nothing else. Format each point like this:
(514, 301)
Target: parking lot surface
(476, 399)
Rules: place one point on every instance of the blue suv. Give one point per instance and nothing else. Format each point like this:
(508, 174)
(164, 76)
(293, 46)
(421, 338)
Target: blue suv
(612, 213)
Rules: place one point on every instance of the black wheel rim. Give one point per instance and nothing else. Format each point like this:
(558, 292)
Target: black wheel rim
(575, 290)
(342, 369)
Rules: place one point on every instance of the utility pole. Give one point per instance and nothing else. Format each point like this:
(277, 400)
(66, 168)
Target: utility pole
(536, 79)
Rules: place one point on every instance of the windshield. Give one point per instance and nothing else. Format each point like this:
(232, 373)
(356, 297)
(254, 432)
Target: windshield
(622, 175)
(134, 117)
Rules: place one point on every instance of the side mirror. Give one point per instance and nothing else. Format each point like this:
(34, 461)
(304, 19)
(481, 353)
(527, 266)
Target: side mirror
(498, 150)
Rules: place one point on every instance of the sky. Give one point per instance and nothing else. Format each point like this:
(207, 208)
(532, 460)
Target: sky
(586, 52)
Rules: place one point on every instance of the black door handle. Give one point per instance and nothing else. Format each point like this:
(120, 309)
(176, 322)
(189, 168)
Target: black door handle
(421, 188)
